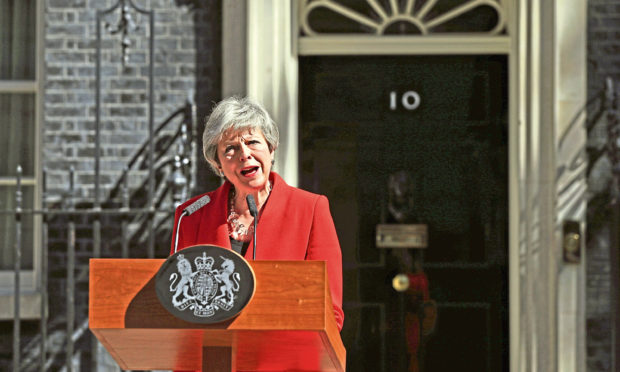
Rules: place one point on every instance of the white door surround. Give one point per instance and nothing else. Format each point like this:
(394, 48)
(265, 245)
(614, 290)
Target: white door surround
(546, 47)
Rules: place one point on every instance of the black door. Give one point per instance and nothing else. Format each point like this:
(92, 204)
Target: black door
(443, 121)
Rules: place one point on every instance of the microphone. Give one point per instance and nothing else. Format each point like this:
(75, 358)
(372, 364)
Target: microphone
(254, 212)
(196, 205)
(186, 212)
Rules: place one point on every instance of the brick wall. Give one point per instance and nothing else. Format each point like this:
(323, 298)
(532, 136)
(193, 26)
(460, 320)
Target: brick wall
(186, 56)
(603, 62)
(603, 42)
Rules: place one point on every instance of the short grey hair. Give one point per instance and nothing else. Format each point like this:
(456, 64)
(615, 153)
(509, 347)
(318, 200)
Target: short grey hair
(237, 114)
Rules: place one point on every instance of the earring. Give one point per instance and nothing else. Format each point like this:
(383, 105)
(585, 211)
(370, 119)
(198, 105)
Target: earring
(219, 171)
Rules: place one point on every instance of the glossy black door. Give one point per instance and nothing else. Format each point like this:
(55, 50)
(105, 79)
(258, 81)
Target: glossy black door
(442, 119)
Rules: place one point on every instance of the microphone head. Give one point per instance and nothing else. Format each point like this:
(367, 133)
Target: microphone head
(197, 205)
(251, 205)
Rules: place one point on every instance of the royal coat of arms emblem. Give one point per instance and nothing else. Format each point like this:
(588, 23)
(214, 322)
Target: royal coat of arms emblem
(214, 288)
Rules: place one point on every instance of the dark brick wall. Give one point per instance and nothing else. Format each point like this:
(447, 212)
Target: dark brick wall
(187, 62)
(603, 62)
(603, 42)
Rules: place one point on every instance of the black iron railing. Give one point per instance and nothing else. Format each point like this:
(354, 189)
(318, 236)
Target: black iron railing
(173, 177)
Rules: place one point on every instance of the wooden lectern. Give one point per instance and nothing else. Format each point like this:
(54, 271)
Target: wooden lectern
(288, 325)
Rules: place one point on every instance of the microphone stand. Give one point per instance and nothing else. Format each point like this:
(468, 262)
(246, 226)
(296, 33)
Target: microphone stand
(254, 212)
(254, 250)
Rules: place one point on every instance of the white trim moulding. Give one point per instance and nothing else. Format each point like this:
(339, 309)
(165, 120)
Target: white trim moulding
(403, 45)
(18, 86)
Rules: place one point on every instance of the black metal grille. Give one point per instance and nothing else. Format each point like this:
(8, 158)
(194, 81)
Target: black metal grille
(138, 223)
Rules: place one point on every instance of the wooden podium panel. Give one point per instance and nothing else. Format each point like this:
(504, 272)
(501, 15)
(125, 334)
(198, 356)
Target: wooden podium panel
(288, 324)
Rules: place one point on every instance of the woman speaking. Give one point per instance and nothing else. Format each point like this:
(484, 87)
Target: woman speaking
(239, 142)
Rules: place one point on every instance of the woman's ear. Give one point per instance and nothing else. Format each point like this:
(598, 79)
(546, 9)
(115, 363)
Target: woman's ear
(218, 167)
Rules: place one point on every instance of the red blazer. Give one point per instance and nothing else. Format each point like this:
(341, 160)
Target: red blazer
(294, 225)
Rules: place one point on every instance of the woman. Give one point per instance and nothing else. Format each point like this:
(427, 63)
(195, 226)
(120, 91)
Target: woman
(239, 142)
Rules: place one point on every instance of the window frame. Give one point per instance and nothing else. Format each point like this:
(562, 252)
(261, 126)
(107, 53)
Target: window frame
(30, 279)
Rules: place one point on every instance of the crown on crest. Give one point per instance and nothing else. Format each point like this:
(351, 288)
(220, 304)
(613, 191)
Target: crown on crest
(204, 263)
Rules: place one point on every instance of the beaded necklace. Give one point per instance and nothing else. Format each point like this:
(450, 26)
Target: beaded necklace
(236, 229)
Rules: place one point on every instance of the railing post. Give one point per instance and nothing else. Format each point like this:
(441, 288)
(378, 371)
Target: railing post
(193, 171)
(17, 268)
(151, 215)
(97, 204)
(43, 274)
(124, 227)
(613, 131)
(70, 285)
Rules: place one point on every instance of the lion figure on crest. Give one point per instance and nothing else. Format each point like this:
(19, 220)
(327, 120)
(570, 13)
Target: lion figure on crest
(229, 286)
(183, 285)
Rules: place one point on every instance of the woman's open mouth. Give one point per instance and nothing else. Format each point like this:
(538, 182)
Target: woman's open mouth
(249, 171)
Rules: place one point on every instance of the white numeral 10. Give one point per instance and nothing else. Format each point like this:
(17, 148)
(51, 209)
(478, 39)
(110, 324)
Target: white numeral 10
(410, 100)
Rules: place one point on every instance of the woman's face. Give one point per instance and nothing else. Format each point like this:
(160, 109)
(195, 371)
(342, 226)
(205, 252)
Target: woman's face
(245, 159)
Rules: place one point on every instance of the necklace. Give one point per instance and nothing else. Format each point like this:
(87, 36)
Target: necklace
(236, 229)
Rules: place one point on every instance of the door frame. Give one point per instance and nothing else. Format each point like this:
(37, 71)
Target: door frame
(546, 48)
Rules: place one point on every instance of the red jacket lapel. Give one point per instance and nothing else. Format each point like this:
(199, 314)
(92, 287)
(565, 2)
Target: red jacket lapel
(212, 228)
